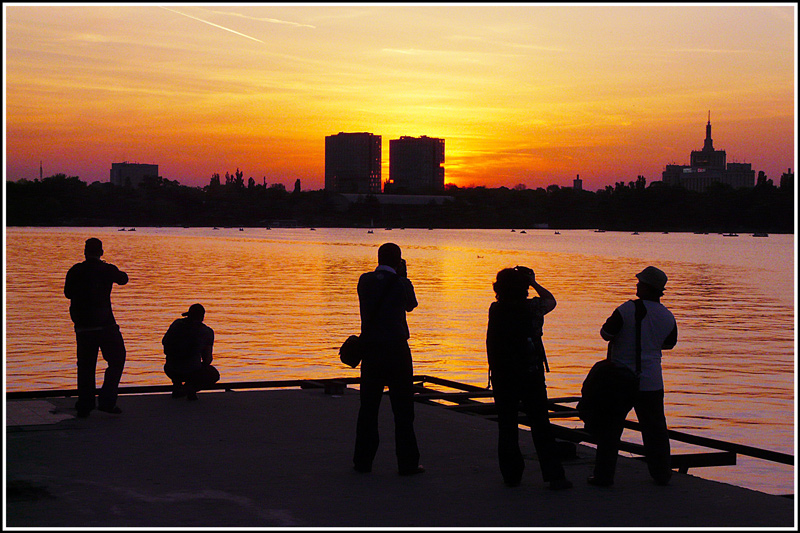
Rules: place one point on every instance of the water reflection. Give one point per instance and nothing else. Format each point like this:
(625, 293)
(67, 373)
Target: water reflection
(282, 301)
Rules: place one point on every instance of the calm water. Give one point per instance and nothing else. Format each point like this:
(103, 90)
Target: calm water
(281, 301)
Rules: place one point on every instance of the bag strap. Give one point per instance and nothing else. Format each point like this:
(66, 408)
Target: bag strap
(639, 314)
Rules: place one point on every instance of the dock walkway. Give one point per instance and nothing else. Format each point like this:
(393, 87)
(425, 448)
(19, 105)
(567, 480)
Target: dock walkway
(282, 458)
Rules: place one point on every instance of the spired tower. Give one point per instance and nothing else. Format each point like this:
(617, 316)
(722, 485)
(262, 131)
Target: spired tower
(708, 159)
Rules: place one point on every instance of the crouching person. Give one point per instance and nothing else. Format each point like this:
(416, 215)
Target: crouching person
(188, 345)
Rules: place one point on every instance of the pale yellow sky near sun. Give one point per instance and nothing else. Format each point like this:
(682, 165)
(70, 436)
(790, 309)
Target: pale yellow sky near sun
(521, 93)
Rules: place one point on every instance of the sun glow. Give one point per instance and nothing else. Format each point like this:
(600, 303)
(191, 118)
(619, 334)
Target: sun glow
(520, 93)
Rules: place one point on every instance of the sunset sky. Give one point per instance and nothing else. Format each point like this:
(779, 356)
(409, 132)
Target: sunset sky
(521, 93)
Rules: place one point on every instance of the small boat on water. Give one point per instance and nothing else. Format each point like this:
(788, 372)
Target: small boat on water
(760, 234)
(730, 234)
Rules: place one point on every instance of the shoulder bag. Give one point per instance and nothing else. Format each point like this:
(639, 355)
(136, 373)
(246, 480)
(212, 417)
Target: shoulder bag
(609, 389)
(352, 350)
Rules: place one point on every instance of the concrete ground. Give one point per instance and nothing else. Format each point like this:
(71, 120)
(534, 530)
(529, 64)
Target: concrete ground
(282, 459)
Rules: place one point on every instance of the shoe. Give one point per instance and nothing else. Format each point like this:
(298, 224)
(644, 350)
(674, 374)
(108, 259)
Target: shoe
(412, 471)
(113, 410)
(363, 469)
(560, 484)
(599, 482)
(178, 392)
(191, 396)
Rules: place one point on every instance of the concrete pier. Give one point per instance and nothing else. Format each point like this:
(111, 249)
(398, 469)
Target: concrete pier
(282, 459)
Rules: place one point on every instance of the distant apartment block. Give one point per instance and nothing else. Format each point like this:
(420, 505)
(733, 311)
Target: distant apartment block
(353, 163)
(708, 166)
(415, 164)
(131, 174)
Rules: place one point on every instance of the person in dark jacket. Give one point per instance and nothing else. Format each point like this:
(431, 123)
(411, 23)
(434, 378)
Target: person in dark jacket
(517, 364)
(88, 286)
(385, 296)
(189, 345)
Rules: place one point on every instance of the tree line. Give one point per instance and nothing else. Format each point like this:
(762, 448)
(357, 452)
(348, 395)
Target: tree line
(62, 200)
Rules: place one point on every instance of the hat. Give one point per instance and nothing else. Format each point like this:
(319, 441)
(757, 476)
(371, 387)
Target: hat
(653, 277)
(94, 246)
(195, 311)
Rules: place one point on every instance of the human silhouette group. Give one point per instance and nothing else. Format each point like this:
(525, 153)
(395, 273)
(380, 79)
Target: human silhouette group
(515, 354)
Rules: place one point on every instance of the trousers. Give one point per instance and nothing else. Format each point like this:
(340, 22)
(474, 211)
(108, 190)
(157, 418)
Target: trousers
(108, 341)
(195, 381)
(649, 408)
(528, 391)
(387, 365)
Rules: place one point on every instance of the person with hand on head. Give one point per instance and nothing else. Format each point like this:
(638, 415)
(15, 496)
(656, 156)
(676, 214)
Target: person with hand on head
(517, 363)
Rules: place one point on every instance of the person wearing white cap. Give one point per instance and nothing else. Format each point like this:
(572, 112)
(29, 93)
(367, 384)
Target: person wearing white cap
(189, 345)
(658, 332)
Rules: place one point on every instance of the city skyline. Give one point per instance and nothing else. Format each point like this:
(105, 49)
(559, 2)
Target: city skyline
(522, 93)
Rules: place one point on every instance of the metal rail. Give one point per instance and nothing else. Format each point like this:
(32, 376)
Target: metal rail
(466, 400)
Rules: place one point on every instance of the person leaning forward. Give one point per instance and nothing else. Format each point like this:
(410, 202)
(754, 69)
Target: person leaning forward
(88, 287)
(188, 346)
(659, 331)
(385, 296)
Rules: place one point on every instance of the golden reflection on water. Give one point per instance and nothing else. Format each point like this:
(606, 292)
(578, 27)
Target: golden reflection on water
(281, 301)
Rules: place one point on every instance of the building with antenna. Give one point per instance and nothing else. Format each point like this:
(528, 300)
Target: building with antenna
(709, 166)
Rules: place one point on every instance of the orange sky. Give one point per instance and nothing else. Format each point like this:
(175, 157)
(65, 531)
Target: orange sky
(521, 93)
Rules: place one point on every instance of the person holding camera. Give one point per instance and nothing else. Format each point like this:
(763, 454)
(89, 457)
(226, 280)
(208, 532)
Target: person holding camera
(517, 364)
(189, 349)
(88, 286)
(385, 295)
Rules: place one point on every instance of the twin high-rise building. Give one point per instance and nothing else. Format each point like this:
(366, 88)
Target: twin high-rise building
(353, 164)
(708, 166)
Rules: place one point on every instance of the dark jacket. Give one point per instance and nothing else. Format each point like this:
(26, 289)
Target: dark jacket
(514, 336)
(88, 286)
(384, 299)
(188, 345)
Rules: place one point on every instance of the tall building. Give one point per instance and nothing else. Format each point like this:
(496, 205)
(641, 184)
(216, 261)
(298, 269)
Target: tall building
(708, 166)
(353, 163)
(577, 183)
(415, 164)
(131, 174)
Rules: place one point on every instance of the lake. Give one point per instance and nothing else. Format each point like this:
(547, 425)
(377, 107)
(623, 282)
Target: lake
(282, 300)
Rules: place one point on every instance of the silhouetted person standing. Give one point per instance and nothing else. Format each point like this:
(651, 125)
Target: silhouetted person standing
(189, 345)
(517, 364)
(659, 331)
(385, 296)
(88, 286)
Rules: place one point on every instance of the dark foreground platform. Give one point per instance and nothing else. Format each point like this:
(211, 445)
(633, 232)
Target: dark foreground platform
(282, 459)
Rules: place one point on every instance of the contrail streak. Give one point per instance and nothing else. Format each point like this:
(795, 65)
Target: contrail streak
(215, 25)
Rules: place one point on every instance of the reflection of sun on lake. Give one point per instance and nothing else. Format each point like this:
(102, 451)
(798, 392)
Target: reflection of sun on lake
(281, 301)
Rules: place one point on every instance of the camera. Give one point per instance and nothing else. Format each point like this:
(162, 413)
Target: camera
(524, 270)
